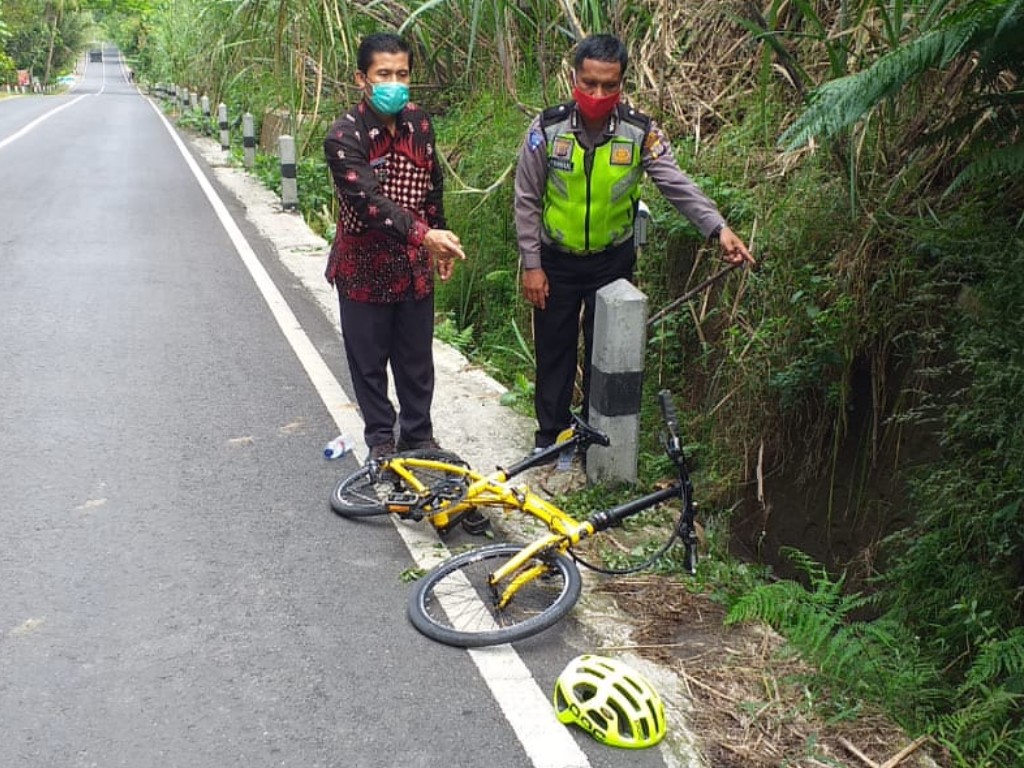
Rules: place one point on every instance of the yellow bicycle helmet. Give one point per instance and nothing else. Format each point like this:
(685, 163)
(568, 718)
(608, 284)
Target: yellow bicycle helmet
(610, 701)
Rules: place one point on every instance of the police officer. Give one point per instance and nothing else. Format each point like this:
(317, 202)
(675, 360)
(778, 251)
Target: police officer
(577, 190)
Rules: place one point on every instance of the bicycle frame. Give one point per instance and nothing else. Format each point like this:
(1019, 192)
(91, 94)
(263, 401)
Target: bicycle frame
(483, 490)
(566, 532)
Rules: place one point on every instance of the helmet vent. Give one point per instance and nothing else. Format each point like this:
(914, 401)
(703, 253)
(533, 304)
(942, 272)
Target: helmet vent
(621, 719)
(584, 691)
(628, 695)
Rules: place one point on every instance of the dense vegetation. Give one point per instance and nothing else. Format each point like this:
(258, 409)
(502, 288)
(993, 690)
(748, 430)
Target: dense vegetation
(44, 38)
(872, 153)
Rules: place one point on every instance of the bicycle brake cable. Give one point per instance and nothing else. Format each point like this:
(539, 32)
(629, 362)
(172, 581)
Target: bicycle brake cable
(642, 566)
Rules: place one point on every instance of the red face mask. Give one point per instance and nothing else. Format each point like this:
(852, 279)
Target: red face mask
(595, 107)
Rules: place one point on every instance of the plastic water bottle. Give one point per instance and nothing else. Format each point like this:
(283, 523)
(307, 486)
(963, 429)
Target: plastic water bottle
(565, 460)
(338, 447)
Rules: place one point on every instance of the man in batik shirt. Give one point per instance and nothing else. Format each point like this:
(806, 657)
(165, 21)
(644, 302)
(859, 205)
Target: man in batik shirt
(391, 236)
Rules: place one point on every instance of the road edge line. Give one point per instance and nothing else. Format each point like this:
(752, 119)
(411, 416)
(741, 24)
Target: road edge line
(547, 743)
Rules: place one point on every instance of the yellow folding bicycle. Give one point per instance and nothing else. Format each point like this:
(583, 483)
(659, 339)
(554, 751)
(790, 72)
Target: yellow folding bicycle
(504, 592)
(438, 486)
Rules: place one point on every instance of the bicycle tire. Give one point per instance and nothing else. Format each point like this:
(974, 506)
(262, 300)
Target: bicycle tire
(365, 491)
(467, 618)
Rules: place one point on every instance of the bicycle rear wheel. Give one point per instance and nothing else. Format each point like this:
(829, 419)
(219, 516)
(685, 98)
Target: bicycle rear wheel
(454, 604)
(365, 492)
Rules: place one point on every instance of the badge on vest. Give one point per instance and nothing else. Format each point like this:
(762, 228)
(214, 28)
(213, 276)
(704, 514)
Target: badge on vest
(562, 148)
(621, 154)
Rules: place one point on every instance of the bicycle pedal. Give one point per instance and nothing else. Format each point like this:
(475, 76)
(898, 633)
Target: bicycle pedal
(405, 505)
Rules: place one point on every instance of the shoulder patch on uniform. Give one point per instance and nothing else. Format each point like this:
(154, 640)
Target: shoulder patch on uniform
(535, 139)
(656, 145)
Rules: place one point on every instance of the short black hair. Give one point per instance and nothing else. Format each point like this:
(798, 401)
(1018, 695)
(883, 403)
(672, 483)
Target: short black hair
(380, 42)
(602, 48)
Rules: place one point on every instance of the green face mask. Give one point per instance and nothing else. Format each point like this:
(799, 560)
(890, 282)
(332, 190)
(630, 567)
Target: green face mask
(389, 98)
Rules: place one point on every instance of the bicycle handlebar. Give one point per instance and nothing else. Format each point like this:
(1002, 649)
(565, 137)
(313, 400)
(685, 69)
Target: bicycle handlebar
(685, 527)
(673, 445)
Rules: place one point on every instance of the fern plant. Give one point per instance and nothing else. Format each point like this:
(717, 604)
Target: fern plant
(869, 660)
(987, 726)
(990, 31)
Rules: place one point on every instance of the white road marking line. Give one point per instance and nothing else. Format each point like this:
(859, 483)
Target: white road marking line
(330, 391)
(15, 136)
(529, 711)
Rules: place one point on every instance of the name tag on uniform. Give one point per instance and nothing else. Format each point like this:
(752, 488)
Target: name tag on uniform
(561, 155)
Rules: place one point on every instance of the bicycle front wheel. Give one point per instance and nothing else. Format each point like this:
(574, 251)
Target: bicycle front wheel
(365, 492)
(454, 604)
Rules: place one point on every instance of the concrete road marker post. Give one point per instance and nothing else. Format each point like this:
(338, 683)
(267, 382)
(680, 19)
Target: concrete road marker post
(222, 120)
(289, 183)
(249, 139)
(616, 380)
(205, 106)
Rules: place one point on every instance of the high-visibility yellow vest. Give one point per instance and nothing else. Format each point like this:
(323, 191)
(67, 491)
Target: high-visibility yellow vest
(591, 195)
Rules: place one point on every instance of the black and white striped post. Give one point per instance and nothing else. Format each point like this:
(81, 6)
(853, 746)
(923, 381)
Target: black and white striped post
(616, 380)
(249, 139)
(204, 104)
(222, 120)
(193, 101)
(289, 184)
(184, 98)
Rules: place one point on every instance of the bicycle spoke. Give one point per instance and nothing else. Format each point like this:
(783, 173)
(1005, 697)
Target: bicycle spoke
(456, 605)
(366, 492)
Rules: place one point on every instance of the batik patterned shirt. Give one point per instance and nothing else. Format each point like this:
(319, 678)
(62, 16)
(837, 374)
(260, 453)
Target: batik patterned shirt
(389, 190)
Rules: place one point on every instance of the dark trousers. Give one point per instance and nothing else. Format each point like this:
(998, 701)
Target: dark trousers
(573, 282)
(402, 334)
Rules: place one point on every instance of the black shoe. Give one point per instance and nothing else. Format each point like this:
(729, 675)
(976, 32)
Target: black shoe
(382, 451)
(418, 445)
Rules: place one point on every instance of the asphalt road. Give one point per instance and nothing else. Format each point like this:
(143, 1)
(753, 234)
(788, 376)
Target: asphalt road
(174, 590)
